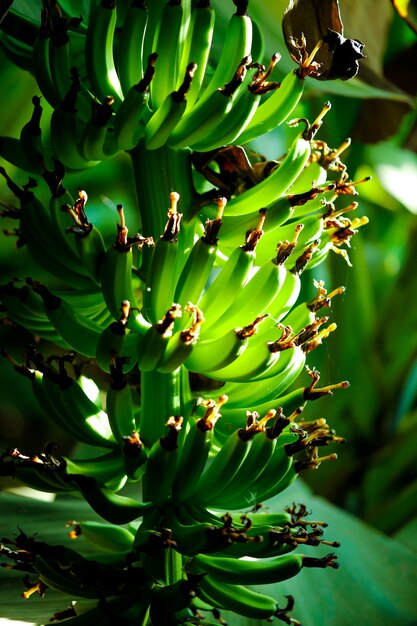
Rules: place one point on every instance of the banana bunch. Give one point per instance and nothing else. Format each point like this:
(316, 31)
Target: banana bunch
(145, 72)
(195, 329)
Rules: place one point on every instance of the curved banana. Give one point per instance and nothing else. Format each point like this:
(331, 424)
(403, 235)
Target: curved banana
(277, 183)
(97, 141)
(199, 264)
(276, 109)
(241, 572)
(160, 467)
(182, 342)
(110, 506)
(105, 536)
(31, 138)
(224, 465)
(130, 46)
(216, 354)
(243, 108)
(237, 46)
(67, 128)
(254, 298)
(116, 269)
(99, 53)
(167, 44)
(155, 341)
(81, 333)
(168, 114)
(160, 283)
(197, 46)
(195, 451)
(207, 113)
(129, 121)
(237, 598)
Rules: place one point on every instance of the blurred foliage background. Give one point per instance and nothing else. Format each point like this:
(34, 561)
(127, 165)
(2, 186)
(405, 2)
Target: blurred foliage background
(375, 347)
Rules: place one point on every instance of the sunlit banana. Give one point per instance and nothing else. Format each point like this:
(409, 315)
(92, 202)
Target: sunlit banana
(236, 46)
(197, 46)
(130, 46)
(99, 52)
(129, 121)
(161, 280)
(168, 114)
(205, 115)
(167, 44)
(195, 451)
(243, 108)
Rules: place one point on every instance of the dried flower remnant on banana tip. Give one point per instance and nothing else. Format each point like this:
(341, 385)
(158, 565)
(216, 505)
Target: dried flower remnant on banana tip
(317, 25)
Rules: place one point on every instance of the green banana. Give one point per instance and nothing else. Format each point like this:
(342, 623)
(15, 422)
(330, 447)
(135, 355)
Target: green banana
(99, 53)
(60, 56)
(195, 451)
(42, 67)
(192, 539)
(197, 46)
(199, 264)
(44, 242)
(236, 46)
(35, 471)
(241, 572)
(278, 182)
(236, 495)
(117, 345)
(206, 114)
(105, 536)
(97, 141)
(107, 469)
(243, 109)
(31, 138)
(129, 121)
(254, 298)
(167, 43)
(89, 241)
(77, 330)
(218, 353)
(276, 109)
(79, 412)
(225, 464)
(181, 344)
(66, 130)
(168, 114)
(130, 45)
(119, 406)
(11, 151)
(160, 284)
(160, 467)
(155, 341)
(268, 483)
(237, 598)
(110, 506)
(116, 269)
(232, 276)
(275, 229)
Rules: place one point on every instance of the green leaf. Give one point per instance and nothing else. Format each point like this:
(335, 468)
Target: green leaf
(374, 585)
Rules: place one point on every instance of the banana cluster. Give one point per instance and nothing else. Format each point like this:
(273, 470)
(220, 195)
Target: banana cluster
(137, 72)
(203, 309)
